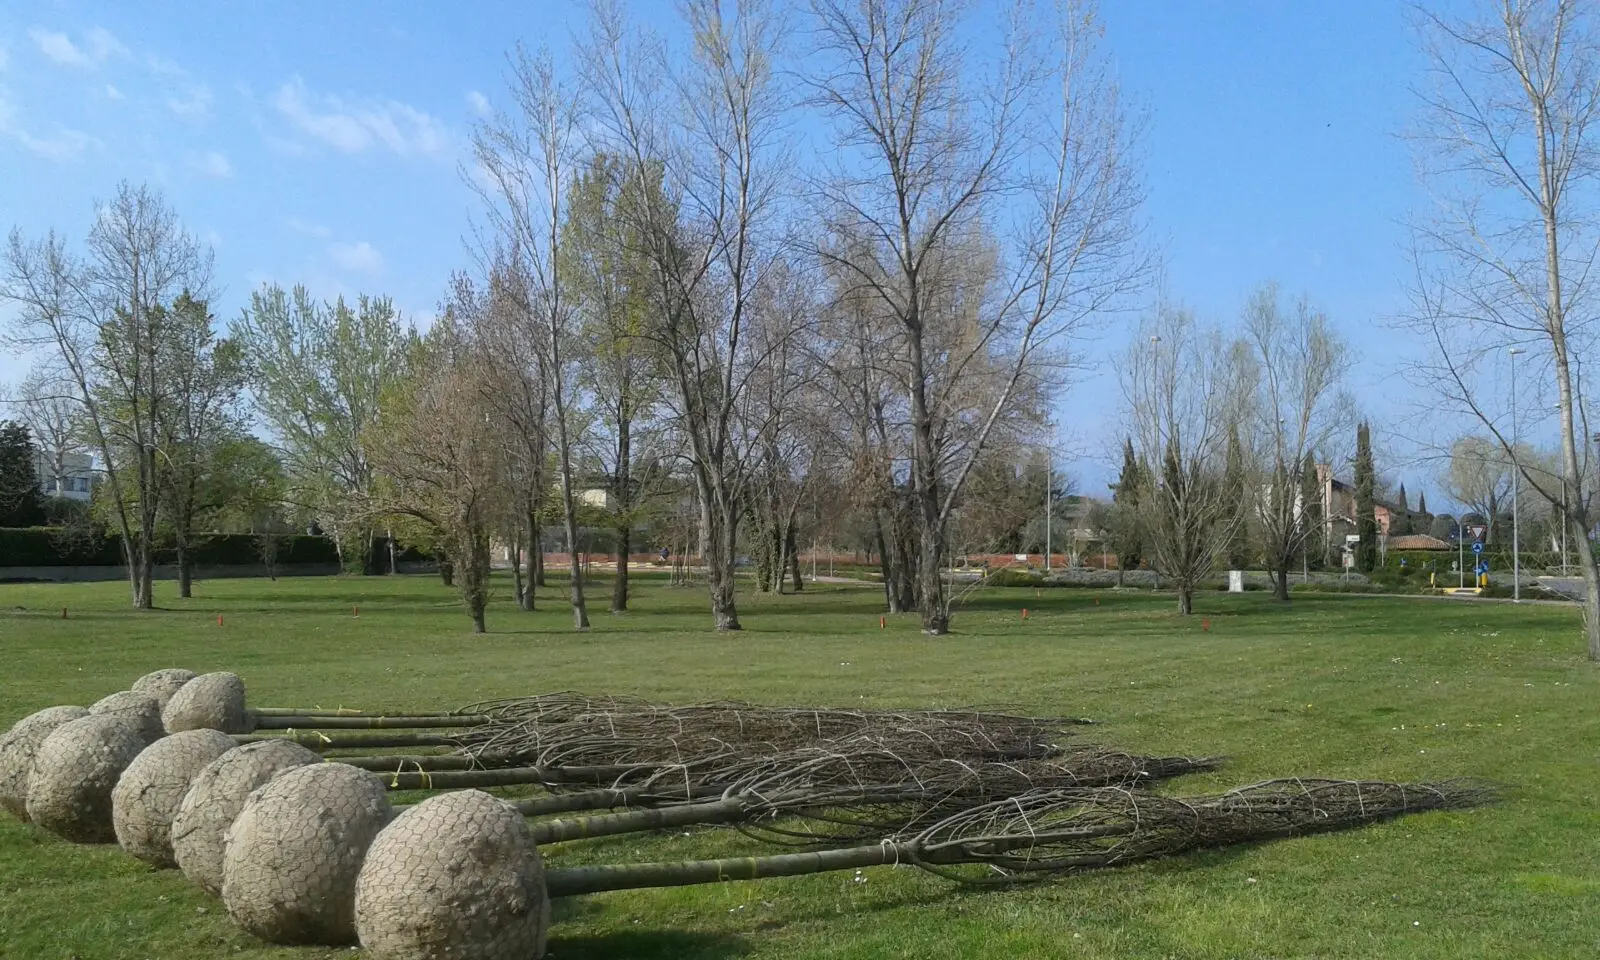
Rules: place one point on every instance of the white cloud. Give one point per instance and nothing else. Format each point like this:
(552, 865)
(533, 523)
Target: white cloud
(211, 165)
(115, 94)
(479, 103)
(99, 46)
(360, 257)
(309, 229)
(196, 104)
(59, 48)
(103, 45)
(355, 126)
(62, 145)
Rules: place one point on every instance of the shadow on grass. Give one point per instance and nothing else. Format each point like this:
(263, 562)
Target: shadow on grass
(643, 944)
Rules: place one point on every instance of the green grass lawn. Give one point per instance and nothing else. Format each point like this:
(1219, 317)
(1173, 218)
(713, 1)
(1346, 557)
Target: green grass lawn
(1341, 686)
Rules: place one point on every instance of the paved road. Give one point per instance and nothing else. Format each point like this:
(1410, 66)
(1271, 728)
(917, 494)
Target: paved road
(1571, 586)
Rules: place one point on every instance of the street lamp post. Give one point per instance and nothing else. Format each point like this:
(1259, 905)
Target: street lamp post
(1516, 486)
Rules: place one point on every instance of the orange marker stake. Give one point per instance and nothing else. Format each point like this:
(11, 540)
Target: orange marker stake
(1206, 624)
(219, 619)
(63, 613)
(357, 612)
(881, 623)
(1024, 613)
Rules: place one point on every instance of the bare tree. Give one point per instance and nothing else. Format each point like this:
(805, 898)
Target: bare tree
(1298, 409)
(528, 159)
(1479, 477)
(439, 455)
(928, 153)
(1508, 147)
(103, 323)
(706, 232)
(1181, 384)
(45, 404)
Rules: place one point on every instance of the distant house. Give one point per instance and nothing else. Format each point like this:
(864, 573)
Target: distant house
(75, 481)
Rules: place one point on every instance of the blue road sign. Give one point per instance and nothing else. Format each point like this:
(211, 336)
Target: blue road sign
(1477, 548)
(1483, 566)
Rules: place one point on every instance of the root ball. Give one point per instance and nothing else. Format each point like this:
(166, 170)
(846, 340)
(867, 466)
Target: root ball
(17, 747)
(143, 710)
(162, 684)
(147, 796)
(74, 772)
(291, 858)
(456, 877)
(211, 701)
(215, 798)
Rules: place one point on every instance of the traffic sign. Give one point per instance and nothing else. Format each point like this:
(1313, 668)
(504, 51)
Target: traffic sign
(1477, 548)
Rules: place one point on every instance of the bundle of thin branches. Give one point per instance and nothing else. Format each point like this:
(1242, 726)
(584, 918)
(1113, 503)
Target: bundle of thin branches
(836, 797)
(1038, 834)
(670, 734)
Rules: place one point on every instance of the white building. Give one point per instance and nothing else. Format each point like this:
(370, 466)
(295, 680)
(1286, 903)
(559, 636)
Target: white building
(75, 480)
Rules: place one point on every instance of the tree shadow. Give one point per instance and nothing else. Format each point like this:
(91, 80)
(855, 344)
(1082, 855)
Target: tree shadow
(646, 944)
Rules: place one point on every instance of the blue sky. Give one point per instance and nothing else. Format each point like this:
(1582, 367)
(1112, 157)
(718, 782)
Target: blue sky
(320, 143)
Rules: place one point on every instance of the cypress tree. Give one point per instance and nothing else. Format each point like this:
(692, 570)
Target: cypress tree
(1233, 490)
(21, 503)
(1127, 539)
(1366, 514)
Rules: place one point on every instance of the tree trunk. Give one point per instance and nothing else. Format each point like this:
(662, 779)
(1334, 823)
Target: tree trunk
(719, 541)
(886, 566)
(516, 570)
(1185, 599)
(185, 572)
(447, 572)
(538, 553)
(580, 611)
(619, 587)
(794, 562)
(1590, 567)
(144, 590)
(1280, 581)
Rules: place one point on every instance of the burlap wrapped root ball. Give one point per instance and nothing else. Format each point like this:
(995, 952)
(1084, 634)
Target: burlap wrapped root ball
(74, 772)
(291, 857)
(162, 684)
(211, 701)
(17, 747)
(143, 709)
(456, 877)
(215, 798)
(150, 791)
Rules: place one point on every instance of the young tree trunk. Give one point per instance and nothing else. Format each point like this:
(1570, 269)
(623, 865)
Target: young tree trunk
(1280, 581)
(516, 570)
(538, 553)
(886, 565)
(794, 562)
(185, 572)
(447, 572)
(1185, 599)
(534, 575)
(144, 591)
(619, 587)
(719, 540)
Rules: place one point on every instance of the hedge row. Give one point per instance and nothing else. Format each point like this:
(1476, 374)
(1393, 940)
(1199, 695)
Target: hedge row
(59, 547)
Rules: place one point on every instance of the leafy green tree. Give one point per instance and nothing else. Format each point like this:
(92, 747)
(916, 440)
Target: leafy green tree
(21, 504)
(609, 280)
(1366, 514)
(317, 371)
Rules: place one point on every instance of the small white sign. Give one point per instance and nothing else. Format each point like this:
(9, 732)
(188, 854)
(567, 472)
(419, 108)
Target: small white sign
(1236, 581)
